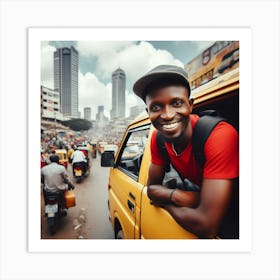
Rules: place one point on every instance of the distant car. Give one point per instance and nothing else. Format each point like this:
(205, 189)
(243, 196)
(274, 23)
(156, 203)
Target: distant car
(111, 147)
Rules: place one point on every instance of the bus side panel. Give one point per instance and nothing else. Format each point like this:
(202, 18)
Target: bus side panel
(157, 223)
(120, 186)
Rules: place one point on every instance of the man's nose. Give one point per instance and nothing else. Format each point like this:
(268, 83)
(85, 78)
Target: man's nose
(167, 113)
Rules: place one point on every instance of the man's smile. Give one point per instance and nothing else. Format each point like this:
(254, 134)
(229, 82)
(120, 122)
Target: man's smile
(170, 126)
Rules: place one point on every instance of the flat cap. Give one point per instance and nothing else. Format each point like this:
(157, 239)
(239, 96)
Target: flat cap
(158, 73)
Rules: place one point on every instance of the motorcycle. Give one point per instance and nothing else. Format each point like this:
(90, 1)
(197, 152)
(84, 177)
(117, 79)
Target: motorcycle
(80, 171)
(54, 208)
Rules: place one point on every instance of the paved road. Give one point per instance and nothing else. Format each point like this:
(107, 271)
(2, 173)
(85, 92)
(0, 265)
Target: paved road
(89, 218)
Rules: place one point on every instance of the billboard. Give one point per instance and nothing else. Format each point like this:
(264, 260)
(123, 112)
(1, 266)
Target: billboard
(220, 58)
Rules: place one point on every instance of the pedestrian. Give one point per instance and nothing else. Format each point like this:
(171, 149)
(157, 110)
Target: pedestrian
(213, 211)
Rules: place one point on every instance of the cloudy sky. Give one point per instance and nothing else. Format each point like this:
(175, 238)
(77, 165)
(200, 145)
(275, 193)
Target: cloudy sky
(98, 59)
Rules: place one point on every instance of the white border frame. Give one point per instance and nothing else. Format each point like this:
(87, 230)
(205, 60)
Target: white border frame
(244, 35)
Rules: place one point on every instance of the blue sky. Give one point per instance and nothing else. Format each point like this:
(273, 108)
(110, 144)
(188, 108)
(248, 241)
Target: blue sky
(98, 59)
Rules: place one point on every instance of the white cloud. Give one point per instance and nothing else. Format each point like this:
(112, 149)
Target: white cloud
(97, 48)
(136, 60)
(93, 93)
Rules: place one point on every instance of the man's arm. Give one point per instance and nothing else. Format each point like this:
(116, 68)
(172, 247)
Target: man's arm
(206, 218)
(67, 180)
(161, 195)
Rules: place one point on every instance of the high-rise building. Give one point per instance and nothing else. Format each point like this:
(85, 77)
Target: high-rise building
(50, 104)
(118, 94)
(100, 113)
(66, 73)
(87, 113)
(100, 116)
(101, 119)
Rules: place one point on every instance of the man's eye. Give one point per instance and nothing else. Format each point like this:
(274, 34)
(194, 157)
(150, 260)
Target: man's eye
(155, 108)
(177, 102)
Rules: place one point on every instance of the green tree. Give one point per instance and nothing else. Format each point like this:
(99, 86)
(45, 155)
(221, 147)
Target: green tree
(78, 124)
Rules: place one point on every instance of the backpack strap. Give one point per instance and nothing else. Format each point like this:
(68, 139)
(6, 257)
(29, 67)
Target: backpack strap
(201, 132)
(207, 122)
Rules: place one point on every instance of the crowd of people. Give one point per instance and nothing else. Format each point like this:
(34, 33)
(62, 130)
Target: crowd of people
(54, 175)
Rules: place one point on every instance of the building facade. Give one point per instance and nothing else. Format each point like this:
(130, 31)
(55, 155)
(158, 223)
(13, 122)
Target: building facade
(66, 73)
(220, 58)
(118, 94)
(87, 113)
(50, 104)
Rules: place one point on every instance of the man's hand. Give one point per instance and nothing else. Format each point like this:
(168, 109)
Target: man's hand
(71, 186)
(159, 195)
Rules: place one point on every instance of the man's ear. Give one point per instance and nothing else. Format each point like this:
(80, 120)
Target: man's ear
(191, 102)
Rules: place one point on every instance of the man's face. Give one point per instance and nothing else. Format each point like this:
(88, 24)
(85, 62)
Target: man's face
(169, 109)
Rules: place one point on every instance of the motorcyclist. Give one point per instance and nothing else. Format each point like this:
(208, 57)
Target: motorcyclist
(55, 179)
(78, 157)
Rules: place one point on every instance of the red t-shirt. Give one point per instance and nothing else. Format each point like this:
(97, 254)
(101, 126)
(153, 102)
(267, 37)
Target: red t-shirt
(221, 155)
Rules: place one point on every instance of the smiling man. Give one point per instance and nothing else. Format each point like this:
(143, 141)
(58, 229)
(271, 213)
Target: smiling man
(213, 211)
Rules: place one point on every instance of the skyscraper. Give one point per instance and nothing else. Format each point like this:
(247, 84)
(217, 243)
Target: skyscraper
(118, 94)
(66, 71)
(87, 113)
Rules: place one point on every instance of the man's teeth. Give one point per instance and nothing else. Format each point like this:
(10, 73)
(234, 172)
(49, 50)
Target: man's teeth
(170, 126)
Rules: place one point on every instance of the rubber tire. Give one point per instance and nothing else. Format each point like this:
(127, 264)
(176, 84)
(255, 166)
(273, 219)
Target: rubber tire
(119, 234)
(52, 229)
(52, 225)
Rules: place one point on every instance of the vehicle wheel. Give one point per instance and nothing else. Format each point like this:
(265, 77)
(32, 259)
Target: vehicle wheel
(52, 225)
(52, 229)
(79, 180)
(119, 234)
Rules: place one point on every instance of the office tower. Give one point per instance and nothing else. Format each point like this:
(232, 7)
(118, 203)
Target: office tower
(87, 113)
(100, 116)
(66, 72)
(118, 94)
(100, 113)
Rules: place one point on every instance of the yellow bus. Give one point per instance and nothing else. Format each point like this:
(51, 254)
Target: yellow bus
(131, 214)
